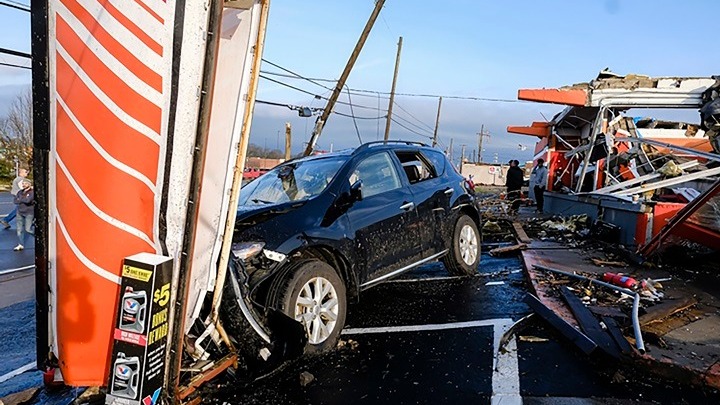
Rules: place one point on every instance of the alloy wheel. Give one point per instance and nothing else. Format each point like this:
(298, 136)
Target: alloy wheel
(316, 307)
(468, 245)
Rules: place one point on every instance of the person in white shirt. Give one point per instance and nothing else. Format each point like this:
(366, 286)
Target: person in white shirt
(538, 181)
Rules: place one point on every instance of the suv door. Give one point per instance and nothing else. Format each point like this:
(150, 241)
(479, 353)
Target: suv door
(384, 221)
(451, 190)
(431, 197)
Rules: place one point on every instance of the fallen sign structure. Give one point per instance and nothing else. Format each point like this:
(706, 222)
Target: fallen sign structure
(142, 117)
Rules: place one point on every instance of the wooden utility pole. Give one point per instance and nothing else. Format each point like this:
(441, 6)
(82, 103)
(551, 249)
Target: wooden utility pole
(451, 152)
(320, 123)
(462, 155)
(288, 138)
(437, 123)
(392, 90)
(481, 135)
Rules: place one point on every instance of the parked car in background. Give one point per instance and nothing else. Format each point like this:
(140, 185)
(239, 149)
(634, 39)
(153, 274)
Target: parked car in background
(314, 232)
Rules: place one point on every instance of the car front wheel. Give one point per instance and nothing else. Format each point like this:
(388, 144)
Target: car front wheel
(314, 295)
(464, 255)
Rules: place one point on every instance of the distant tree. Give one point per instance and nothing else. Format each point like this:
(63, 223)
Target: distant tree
(16, 135)
(258, 151)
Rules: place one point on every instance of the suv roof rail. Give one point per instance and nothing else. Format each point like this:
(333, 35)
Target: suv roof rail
(374, 143)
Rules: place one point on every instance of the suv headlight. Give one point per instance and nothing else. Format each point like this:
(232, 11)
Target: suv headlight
(246, 250)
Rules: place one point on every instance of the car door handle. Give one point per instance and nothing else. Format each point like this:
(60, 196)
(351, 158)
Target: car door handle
(407, 206)
(449, 191)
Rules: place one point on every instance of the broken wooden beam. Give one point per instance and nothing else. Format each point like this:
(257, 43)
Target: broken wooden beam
(589, 324)
(522, 237)
(508, 249)
(584, 343)
(617, 335)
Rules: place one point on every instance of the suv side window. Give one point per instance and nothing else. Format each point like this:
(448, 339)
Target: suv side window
(416, 167)
(438, 160)
(377, 174)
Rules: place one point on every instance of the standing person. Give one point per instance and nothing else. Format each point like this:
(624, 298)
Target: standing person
(514, 180)
(470, 184)
(25, 201)
(22, 175)
(538, 179)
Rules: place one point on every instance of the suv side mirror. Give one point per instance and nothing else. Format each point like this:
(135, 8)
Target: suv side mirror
(356, 191)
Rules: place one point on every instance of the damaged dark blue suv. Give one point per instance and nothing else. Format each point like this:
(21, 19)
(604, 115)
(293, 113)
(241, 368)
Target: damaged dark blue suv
(314, 232)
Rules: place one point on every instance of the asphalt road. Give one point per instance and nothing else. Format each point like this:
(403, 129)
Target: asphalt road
(14, 286)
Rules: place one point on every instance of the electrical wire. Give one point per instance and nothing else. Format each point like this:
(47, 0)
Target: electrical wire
(317, 96)
(357, 130)
(414, 117)
(15, 5)
(316, 109)
(374, 92)
(15, 66)
(410, 130)
(413, 124)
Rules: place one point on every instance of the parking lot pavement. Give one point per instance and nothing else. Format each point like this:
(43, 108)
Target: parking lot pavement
(429, 338)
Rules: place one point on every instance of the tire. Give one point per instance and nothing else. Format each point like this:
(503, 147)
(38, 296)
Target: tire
(464, 255)
(301, 286)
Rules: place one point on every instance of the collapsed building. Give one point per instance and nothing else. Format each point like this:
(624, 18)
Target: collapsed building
(633, 173)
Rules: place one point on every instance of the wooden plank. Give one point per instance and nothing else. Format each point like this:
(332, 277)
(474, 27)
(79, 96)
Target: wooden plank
(508, 249)
(584, 343)
(589, 324)
(520, 233)
(666, 308)
(617, 335)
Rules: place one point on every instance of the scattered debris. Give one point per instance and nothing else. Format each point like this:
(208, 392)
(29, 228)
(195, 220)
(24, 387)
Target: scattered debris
(306, 378)
(532, 339)
(670, 169)
(491, 227)
(602, 263)
(20, 397)
(491, 283)
(508, 249)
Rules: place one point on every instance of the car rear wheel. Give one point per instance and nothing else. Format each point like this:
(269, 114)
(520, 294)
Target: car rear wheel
(464, 255)
(314, 295)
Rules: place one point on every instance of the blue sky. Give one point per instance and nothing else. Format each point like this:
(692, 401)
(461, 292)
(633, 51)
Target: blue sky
(474, 48)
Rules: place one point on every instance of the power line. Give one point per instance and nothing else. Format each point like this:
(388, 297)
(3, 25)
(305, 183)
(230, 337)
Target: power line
(14, 65)
(416, 118)
(353, 117)
(15, 5)
(315, 109)
(317, 96)
(408, 129)
(315, 81)
(15, 53)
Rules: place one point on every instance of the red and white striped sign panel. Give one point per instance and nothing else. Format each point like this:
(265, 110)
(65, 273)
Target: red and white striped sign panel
(109, 69)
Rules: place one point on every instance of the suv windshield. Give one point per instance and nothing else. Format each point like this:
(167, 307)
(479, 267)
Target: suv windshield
(292, 182)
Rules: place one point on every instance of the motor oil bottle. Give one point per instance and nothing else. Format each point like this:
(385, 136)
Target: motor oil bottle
(125, 376)
(134, 306)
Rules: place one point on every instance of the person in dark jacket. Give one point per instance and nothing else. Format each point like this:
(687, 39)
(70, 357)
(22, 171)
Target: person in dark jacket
(514, 180)
(25, 201)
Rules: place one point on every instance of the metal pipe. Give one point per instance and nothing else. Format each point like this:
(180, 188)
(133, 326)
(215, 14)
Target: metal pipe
(636, 302)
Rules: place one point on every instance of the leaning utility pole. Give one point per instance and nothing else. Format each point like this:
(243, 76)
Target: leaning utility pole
(392, 91)
(320, 123)
(288, 137)
(437, 123)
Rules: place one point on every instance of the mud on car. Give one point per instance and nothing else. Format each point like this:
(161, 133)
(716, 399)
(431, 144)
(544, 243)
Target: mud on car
(314, 232)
